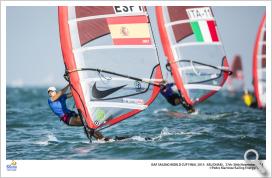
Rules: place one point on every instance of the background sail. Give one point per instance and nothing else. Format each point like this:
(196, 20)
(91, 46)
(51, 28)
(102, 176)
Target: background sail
(259, 65)
(235, 82)
(103, 41)
(194, 50)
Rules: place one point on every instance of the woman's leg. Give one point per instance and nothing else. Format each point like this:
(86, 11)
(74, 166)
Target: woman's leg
(98, 135)
(75, 121)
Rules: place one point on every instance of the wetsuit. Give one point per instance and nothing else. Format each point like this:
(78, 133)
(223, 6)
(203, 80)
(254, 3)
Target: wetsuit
(174, 98)
(170, 95)
(60, 109)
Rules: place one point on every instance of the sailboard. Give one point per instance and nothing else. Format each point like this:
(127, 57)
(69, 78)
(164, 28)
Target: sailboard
(194, 51)
(259, 65)
(235, 82)
(111, 61)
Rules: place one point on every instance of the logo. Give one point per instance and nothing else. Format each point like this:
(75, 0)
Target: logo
(12, 166)
(133, 100)
(137, 85)
(99, 116)
(98, 94)
(97, 123)
(124, 31)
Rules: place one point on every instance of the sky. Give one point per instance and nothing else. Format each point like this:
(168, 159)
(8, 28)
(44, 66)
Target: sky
(34, 55)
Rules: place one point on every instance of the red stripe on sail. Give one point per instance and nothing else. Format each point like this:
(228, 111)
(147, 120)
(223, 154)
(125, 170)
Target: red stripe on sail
(127, 20)
(131, 41)
(212, 29)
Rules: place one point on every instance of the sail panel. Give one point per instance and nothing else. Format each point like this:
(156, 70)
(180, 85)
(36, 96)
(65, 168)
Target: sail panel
(92, 29)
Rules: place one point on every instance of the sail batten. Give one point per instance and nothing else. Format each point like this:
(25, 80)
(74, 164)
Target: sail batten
(104, 16)
(103, 47)
(187, 21)
(204, 87)
(196, 44)
(101, 104)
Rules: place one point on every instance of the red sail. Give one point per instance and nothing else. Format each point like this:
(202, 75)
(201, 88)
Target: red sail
(105, 78)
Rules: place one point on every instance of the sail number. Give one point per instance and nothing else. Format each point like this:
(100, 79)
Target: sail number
(199, 13)
(127, 9)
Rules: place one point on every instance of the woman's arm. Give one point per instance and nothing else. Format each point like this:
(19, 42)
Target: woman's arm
(65, 89)
(69, 95)
(60, 93)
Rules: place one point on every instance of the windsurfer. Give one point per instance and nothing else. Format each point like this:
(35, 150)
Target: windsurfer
(174, 98)
(249, 99)
(57, 103)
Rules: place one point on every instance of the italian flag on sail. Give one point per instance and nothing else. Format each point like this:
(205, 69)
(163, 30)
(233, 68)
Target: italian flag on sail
(203, 24)
(129, 30)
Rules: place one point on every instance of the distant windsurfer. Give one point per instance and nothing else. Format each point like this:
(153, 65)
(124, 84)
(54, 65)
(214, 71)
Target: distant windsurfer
(249, 99)
(57, 103)
(174, 98)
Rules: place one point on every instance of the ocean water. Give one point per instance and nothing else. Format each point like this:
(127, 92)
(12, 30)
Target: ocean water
(223, 128)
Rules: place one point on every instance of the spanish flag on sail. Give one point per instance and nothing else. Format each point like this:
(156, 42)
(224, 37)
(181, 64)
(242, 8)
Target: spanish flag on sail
(129, 30)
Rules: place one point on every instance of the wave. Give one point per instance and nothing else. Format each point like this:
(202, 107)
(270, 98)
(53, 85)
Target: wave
(169, 132)
(163, 110)
(50, 138)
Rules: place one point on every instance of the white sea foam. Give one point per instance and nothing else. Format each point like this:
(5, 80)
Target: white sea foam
(138, 138)
(196, 112)
(160, 110)
(49, 138)
(168, 132)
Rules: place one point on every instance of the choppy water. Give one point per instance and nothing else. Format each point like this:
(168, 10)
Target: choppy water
(223, 128)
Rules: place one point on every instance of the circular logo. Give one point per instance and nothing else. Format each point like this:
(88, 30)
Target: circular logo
(97, 122)
(137, 85)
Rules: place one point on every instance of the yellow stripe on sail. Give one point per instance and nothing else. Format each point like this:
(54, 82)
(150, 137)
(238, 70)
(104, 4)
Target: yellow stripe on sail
(139, 30)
